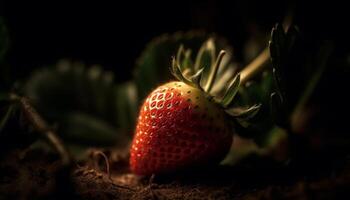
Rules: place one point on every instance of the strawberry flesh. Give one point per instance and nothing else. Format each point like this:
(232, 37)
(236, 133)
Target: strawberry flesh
(178, 128)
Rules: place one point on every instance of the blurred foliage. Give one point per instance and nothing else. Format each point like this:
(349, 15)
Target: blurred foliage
(257, 135)
(297, 69)
(85, 103)
(257, 91)
(284, 91)
(273, 145)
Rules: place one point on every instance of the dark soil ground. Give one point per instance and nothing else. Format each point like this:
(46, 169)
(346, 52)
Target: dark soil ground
(33, 174)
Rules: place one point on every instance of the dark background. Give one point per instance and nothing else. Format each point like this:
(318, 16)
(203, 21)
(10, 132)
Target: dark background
(114, 35)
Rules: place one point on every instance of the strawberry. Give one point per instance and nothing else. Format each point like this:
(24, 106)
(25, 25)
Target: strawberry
(182, 124)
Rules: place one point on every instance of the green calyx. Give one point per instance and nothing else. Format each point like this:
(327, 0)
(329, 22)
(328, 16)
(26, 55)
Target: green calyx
(204, 74)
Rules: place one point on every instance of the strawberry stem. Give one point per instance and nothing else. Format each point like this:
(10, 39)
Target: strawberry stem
(213, 72)
(256, 66)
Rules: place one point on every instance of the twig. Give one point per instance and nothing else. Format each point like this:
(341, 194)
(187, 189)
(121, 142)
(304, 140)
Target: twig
(41, 127)
(123, 187)
(150, 184)
(106, 161)
(151, 179)
(256, 66)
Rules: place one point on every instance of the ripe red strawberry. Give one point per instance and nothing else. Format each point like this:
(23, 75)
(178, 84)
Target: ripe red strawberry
(178, 126)
(182, 125)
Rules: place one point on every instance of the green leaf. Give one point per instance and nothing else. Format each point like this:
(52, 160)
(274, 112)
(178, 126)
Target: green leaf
(177, 72)
(183, 63)
(206, 55)
(256, 92)
(87, 105)
(294, 58)
(196, 78)
(269, 146)
(281, 46)
(84, 129)
(126, 106)
(242, 113)
(206, 59)
(211, 76)
(187, 62)
(240, 149)
(272, 139)
(277, 44)
(231, 92)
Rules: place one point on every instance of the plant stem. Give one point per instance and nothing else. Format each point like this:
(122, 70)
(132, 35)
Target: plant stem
(256, 66)
(41, 126)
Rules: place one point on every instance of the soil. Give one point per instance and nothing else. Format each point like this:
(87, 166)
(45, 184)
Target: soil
(34, 174)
